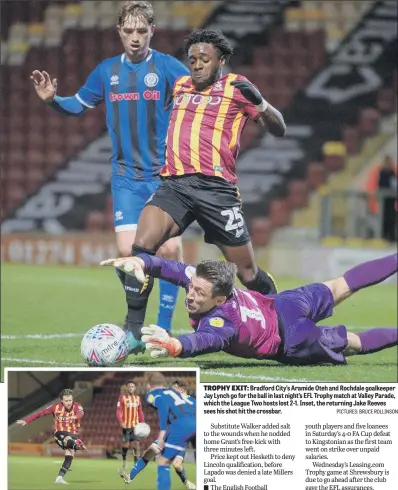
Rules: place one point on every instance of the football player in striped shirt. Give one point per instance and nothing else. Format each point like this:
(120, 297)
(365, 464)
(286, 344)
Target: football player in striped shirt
(209, 113)
(129, 413)
(136, 88)
(66, 423)
(154, 451)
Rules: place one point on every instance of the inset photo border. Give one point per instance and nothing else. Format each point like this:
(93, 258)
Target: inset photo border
(96, 428)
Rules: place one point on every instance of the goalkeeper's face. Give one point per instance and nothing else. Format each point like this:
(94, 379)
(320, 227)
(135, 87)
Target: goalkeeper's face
(200, 297)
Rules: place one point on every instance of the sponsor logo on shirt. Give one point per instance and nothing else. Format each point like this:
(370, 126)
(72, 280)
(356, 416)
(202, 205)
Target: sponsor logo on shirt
(151, 80)
(218, 86)
(114, 80)
(132, 405)
(147, 95)
(197, 99)
(168, 298)
(216, 322)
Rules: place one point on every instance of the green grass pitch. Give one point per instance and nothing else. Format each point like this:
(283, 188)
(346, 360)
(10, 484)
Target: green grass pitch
(46, 310)
(35, 473)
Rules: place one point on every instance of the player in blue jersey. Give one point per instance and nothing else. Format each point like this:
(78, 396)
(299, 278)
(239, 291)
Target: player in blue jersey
(136, 88)
(177, 422)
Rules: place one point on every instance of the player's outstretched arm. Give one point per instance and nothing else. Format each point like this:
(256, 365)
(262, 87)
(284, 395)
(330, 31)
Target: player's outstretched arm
(207, 339)
(270, 117)
(41, 413)
(169, 270)
(46, 89)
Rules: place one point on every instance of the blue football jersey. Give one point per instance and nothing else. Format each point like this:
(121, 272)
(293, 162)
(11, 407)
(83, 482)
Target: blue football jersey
(138, 98)
(172, 406)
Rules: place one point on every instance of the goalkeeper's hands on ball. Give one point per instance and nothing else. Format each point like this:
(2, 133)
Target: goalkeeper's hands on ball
(134, 266)
(159, 342)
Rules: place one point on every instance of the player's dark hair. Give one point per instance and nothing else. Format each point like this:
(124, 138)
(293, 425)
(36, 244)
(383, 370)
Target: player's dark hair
(156, 379)
(221, 274)
(181, 383)
(130, 381)
(139, 9)
(65, 392)
(209, 36)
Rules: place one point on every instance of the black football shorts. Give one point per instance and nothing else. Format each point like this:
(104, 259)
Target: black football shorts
(60, 435)
(212, 201)
(128, 435)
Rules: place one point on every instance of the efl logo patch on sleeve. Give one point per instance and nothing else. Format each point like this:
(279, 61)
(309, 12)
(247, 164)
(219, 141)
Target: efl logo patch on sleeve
(216, 322)
(190, 271)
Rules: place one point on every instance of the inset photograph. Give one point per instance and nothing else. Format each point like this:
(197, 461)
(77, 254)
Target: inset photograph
(100, 429)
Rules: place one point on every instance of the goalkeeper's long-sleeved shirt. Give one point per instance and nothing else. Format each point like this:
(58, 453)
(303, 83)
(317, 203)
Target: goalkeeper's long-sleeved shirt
(246, 325)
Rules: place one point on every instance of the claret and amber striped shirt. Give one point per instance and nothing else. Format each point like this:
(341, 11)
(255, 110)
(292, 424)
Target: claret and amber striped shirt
(205, 128)
(63, 419)
(129, 410)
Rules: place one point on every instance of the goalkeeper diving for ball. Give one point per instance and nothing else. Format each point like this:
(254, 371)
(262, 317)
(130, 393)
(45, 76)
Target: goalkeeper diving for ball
(281, 327)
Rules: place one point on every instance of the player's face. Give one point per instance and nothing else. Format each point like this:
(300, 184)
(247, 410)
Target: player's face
(67, 402)
(200, 297)
(135, 35)
(131, 388)
(204, 64)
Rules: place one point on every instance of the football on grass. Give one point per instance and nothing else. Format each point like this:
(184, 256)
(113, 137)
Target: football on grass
(105, 345)
(142, 431)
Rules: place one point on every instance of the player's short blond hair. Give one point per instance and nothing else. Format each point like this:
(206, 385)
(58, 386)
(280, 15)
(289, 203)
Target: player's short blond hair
(137, 8)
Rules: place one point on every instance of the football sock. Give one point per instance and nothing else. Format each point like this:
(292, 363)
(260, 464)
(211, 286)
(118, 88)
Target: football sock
(164, 478)
(263, 283)
(137, 295)
(139, 466)
(371, 273)
(168, 299)
(377, 339)
(124, 453)
(182, 475)
(65, 466)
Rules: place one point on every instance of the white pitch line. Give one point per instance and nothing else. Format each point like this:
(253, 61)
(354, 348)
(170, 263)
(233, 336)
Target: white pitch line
(42, 336)
(42, 361)
(257, 378)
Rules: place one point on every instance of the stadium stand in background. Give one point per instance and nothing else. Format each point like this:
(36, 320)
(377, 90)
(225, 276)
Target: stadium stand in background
(99, 426)
(285, 47)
